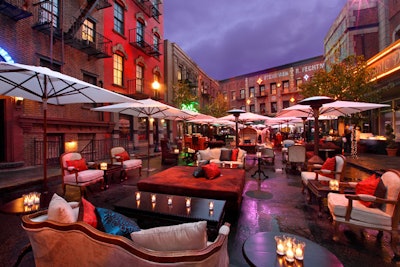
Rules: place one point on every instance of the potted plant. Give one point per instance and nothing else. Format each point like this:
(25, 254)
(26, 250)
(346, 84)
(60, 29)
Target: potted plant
(391, 146)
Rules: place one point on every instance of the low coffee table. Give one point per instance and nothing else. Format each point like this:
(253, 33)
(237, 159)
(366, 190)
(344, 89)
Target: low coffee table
(160, 213)
(260, 250)
(321, 189)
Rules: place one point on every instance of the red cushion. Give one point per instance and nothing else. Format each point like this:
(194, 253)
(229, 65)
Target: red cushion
(367, 186)
(79, 164)
(235, 153)
(89, 213)
(329, 164)
(124, 155)
(211, 170)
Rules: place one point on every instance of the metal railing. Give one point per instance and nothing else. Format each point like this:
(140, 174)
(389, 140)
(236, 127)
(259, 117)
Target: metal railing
(94, 150)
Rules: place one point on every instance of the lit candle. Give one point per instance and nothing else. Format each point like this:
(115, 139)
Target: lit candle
(188, 202)
(176, 151)
(137, 195)
(289, 255)
(211, 205)
(280, 249)
(230, 165)
(299, 252)
(137, 203)
(188, 210)
(103, 166)
(258, 154)
(36, 198)
(153, 198)
(169, 200)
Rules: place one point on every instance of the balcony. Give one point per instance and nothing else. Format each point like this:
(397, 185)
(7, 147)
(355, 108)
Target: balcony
(78, 36)
(148, 8)
(139, 42)
(14, 9)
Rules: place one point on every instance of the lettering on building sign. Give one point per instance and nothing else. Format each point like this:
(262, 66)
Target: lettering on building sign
(275, 75)
(387, 64)
(308, 68)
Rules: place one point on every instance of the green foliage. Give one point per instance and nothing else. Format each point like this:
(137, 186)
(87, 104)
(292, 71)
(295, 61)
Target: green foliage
(346, 80)
(390, 136)
(184, 94)
(217, 107)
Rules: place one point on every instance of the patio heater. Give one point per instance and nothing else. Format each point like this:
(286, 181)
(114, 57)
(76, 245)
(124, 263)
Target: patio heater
(236, 114)
(315, 103)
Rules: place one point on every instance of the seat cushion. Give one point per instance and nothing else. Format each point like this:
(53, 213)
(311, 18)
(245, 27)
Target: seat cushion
(337, 204)
(306, 176)
(84, 176)
(131, 164)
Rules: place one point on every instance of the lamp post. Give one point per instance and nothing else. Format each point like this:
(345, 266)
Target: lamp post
(236, 114)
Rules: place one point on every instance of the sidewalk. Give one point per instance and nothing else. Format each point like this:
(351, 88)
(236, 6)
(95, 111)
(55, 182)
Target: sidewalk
(18, 177)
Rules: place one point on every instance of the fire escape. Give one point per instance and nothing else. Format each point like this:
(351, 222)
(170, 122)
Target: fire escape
(148, 8)
(14, 9)
(78, 35)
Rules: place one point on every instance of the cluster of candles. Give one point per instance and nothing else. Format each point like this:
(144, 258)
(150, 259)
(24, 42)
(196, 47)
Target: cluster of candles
(334, 184)
(103, 166)
(33, 198)
(290, 248)
(188, 201)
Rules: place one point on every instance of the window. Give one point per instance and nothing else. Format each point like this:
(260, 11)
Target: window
(118, 69)
(233, 95)
(273, 107)
(285, 85)
(88, 30)
(242, 94)
(243, 108)
(48, 12)
(251, 92)
(262, 108)
(46, 63)
(156, 44)
(273, 88)
(225, 94)
(140, 33)
(118, 18)
(155, 10)
(139, 78)
(90, 78)
(179, 73)
(252, 108)
(286, 104)
(299, 82)
(262, 90)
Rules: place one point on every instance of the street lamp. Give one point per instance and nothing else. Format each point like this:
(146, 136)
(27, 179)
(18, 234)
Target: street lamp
(236, 114)
(156, 86)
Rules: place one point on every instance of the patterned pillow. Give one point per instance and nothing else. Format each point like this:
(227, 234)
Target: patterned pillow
(124, 155)
(330, 165)
(211, 171)
(368, 187)
(116, 224)
(87, 213)
(226, 155)
(79, 164)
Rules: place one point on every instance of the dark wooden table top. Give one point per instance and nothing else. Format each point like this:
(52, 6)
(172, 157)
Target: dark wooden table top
(260, 250)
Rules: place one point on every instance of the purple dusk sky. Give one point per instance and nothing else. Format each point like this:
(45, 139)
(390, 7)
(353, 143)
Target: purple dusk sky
(227, 38)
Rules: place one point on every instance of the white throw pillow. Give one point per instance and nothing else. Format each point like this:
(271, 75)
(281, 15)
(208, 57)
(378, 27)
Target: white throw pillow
(60, 211)
(241, 154)
(205, 154)
(215, 153)
(186, 236)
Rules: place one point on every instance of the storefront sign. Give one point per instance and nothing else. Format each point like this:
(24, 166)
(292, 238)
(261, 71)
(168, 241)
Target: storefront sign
(386, 62)
(4, 55)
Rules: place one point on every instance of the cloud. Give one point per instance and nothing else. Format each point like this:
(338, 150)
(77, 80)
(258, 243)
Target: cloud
(232, 37)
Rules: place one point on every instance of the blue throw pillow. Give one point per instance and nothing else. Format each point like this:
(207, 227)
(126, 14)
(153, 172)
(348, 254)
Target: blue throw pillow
(115, 223)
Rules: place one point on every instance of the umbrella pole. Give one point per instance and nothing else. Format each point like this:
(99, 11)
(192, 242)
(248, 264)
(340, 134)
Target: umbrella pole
(45, 188)
(316, 159)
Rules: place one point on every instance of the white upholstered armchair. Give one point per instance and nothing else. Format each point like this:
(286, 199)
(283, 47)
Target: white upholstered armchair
(75, 172)
(119, 156)
(348, 210)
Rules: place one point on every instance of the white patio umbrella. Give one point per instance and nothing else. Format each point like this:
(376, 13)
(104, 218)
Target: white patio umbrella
(246, 117)
(322, 105)
(147, 108)
(50, 87)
